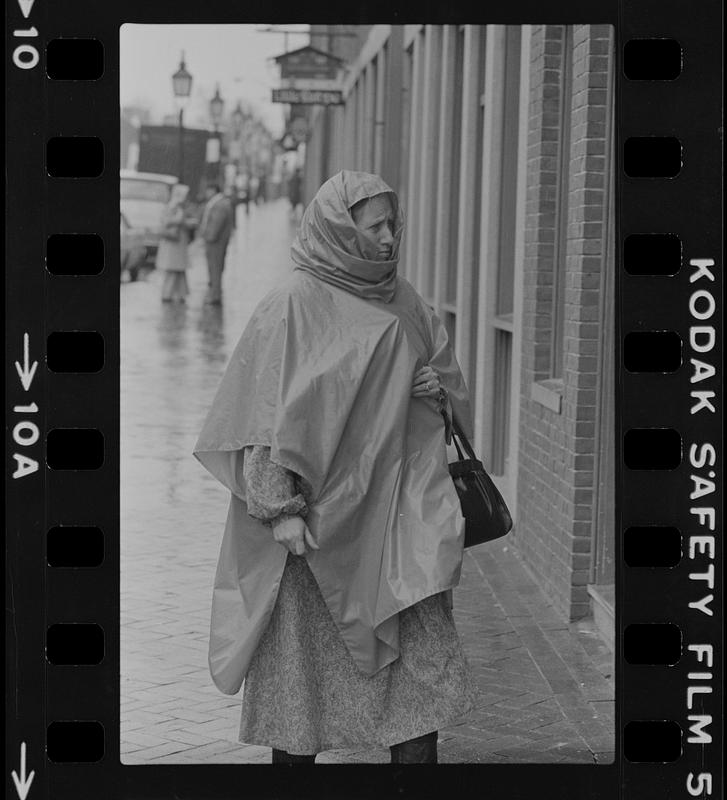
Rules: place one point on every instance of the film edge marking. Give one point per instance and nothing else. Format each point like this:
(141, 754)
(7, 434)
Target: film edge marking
(23, 781)
(701, 370)
(25, 432)
(26, 56)
(703, 455)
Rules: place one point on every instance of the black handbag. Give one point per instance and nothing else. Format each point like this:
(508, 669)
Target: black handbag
(484, 510)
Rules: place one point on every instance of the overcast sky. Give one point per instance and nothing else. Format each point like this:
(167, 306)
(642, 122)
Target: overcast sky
(235, 56)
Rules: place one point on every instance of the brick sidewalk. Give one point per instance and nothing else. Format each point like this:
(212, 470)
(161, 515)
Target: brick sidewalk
(547, 694)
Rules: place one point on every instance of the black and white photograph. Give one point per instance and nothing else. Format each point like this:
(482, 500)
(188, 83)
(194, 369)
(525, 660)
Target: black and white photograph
(367, 411)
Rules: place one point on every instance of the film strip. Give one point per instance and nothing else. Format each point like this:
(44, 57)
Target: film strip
(670, 514)
(62, 481)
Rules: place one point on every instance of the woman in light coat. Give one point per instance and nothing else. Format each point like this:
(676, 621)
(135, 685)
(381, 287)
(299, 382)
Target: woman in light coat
(345, 533)
(172, 256)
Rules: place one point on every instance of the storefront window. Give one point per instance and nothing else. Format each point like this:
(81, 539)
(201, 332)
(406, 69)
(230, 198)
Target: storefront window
(508, 187)
(451, 272)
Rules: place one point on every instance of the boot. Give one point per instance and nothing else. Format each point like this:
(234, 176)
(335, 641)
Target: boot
(422, 750)
(283, 757)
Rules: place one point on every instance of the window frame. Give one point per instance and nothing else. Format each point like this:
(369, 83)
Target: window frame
(560, 245)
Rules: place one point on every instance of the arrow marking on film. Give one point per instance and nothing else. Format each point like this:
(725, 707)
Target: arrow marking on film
(22, 783)
(26, 372)
(25, 7)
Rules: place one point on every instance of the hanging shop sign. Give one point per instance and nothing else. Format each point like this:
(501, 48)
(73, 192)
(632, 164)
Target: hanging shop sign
(308, 97)
(308, 62)
(323, 84)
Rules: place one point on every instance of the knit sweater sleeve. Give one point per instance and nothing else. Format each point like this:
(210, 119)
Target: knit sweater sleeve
(273, 492)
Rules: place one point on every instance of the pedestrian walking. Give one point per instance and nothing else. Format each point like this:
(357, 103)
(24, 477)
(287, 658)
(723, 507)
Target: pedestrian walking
(172, 257)
(255, 189)
(295, 182)
(215, 229)
(230, 193)
(344, 535)
(242, 184)
(262, 189)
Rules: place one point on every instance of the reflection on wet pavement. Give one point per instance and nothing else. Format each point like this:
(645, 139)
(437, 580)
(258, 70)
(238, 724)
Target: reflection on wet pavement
(172, 511)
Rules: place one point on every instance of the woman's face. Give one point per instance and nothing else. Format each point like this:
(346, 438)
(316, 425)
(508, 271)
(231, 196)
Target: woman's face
(376, 219)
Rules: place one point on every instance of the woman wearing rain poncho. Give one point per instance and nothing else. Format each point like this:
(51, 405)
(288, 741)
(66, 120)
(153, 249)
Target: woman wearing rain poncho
(344, 532)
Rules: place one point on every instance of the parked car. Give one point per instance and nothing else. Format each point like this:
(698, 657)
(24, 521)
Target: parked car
(133, 249)
(143, 198)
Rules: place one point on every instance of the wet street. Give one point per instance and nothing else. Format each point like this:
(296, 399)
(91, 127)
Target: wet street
(546, 686)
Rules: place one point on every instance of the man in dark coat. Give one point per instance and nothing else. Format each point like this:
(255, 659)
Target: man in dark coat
(294, 189)
(215, 229)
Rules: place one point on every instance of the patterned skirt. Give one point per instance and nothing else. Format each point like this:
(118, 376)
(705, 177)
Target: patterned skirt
(303, 692)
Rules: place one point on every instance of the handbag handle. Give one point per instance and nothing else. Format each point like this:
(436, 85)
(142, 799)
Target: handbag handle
(457, 433)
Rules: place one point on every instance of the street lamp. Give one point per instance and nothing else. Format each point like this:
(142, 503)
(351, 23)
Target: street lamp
(217, 107)
(182, 86)
(238, 116)
(236, 139)
(214, 145)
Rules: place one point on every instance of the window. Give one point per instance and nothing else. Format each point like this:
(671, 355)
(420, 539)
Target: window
(414, 197)
(561, 212)
(450, 293)
(362, 131)
(505, 267)
(508, 186)
(370, 115)
(476, 267)
(430, 115)
(474, 40)
(406, 99)
(380, 109)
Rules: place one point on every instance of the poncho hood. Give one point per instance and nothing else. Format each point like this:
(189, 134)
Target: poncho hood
(330, 246)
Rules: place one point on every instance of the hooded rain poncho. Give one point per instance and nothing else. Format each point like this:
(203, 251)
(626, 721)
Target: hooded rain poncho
(322, 375)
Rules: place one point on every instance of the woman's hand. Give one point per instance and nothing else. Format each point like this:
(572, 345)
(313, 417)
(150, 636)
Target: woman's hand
(426, 383)
(293, 534)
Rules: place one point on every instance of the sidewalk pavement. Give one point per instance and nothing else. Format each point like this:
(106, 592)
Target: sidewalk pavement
(546, 686)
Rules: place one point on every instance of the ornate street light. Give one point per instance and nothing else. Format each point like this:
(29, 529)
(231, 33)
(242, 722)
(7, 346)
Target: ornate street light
(238, 116)
(217, 107)
(182, 87)
(182, 80)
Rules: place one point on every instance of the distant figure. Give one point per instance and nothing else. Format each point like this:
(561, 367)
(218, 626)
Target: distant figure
(172, 258)
(262, 189)
(242, 185)
(231, 194)
(255, 189)
(215, 229)
(294, 189)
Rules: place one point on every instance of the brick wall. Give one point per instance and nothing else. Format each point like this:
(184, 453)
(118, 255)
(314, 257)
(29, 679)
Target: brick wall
(556, 458)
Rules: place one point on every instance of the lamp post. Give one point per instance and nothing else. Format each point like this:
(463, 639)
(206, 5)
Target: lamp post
(182, 86)
(238, 115)
(217, 109)
(236, 141)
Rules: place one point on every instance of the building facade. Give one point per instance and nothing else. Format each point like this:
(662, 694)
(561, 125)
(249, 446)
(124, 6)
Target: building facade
(498, 140)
